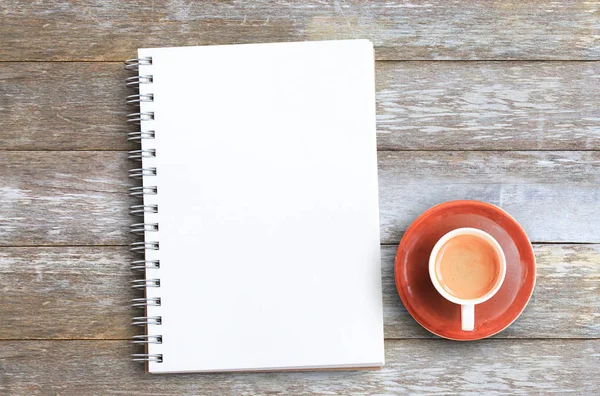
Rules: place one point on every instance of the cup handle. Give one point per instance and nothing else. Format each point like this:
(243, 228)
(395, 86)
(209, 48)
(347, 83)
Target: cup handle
(467, 317)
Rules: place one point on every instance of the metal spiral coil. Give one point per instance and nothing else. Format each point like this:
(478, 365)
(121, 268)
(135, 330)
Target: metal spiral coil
(146, 320)
(139, 117)
(139, 210)
(134, 64)
(140, 191)
(144, 283)
(139, 154)
(138, 136)
(138, 173)
(144, 357)
(146, 339)
(141, 247)
(143, 265)
(136, 99)
(148, 265)
(146, 302)
(141, 228)
(135, 81)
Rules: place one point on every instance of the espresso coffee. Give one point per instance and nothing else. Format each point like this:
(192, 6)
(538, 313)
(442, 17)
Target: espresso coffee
(467, 266)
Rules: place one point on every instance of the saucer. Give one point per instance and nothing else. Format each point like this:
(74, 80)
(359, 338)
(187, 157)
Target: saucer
(427, 306)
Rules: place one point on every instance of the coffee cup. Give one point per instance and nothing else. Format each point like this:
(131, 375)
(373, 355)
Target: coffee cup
(467, 267)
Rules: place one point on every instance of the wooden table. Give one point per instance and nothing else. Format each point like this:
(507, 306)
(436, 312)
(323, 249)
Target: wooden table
(496, 102)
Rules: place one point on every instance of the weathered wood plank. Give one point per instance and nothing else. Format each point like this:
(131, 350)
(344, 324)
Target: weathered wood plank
(83, 293)
(68, 198)
(113, 30)
(417, 366)
(63, 106)
(79, 198)
(488, 105)
(461, 105)
(552, 194)
(66, 293)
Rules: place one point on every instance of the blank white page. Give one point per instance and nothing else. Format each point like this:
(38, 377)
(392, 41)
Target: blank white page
(267, 206)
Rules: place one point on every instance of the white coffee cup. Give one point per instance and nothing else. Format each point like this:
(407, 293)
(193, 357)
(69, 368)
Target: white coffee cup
(467, 305)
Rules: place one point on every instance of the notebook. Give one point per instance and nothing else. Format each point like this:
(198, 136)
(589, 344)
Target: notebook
(258, 207)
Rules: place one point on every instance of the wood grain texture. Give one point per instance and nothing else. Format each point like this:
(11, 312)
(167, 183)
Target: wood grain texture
(552, 194)
(488, 105)
(64, 106)
(84, 293)
(113, 30)
(68, 198)
(66, 293)
(79, 198)
(420, 106)
(71, 293)
(432, 367)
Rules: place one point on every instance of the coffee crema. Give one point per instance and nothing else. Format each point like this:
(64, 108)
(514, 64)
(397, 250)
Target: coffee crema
(467, 266)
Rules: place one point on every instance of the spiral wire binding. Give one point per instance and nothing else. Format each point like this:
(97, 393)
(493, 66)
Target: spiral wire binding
(143, 283)
(141, 247)
(139, 210)
(145, 302)
(138, 136)
(134, 64)
(146, 320)
(139, 98)
(146, 339)
(137, 80)
(141, 191)
(139, 154)
(139, 173)
(145, 357)
(137, 117)
(141, 228)
(143, 265)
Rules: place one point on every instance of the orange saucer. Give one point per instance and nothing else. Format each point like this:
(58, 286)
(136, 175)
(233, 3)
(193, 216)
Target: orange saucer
(427, 306)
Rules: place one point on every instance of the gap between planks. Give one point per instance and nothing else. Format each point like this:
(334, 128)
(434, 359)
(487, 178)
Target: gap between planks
(383, 244)
(379, 151)
(489, 60)
(494, 339)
